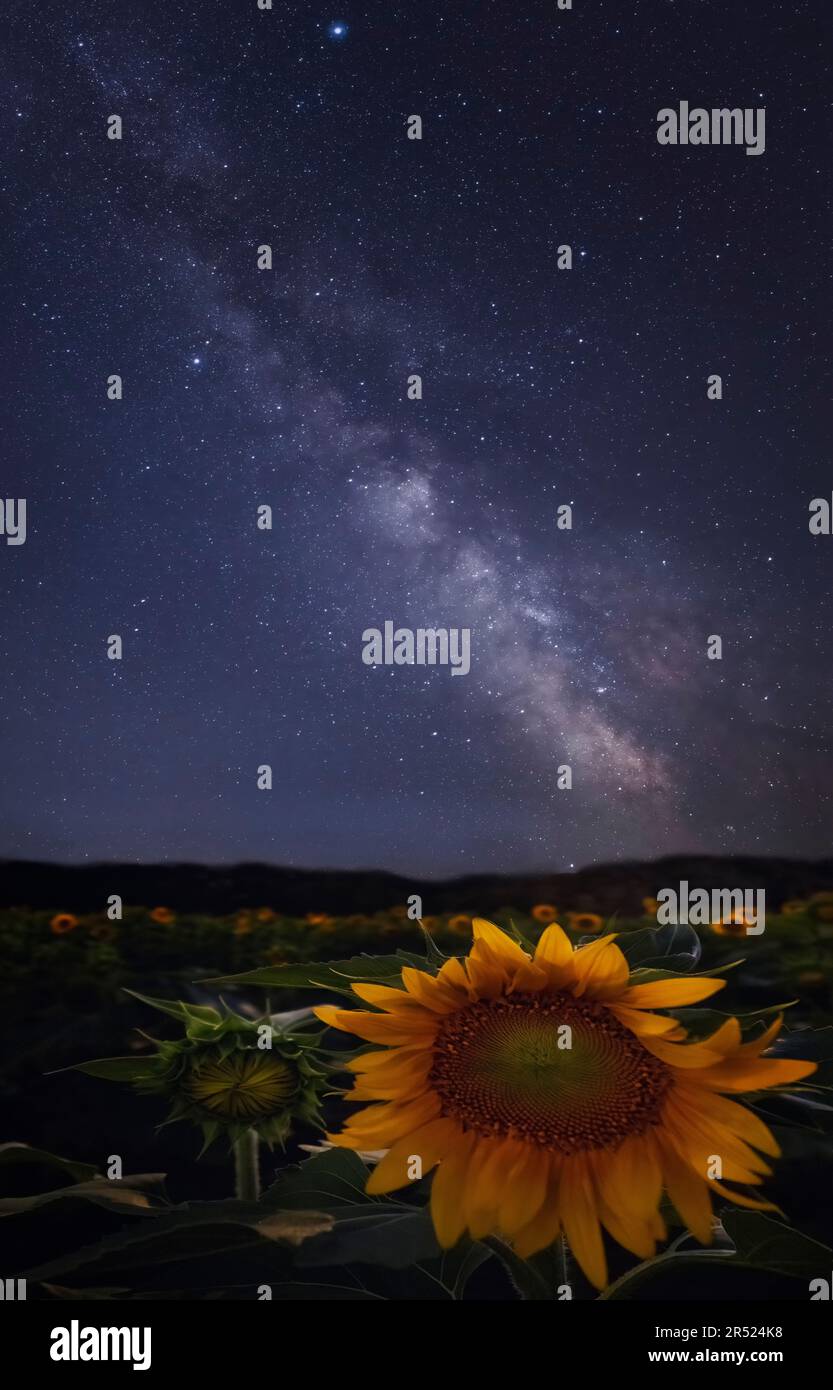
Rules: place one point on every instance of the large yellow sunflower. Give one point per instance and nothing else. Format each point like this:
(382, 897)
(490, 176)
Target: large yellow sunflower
(552, 1100)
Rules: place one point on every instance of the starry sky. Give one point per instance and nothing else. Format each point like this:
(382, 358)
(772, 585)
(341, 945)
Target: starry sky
(288, 388)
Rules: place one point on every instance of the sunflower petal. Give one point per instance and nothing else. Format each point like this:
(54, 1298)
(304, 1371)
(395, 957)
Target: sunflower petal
(629, 1231)
(554, 953)
(485, 1184)
(681, 1054)
(429, 1144)
(688, 1192)
(743, 1199)
(643, 1024)
(382, 1124)
(670, 994)
(524, 1191)
(755, 1074)
(631, 1178)
(403, 1080)
(421, 1026)
(601, 969)
(497, 942)
(545, 1227)
(448, 1192)
(581, 1221)
(432, 992)
(384, 997)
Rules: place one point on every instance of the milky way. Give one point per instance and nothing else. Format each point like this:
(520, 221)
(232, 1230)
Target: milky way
(288, 387)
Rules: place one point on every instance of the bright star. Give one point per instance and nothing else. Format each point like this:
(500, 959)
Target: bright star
(337, 31)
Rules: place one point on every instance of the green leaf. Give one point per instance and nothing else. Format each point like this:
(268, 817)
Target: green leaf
(60, 1291)
(433, 954)
(701, 1023)
(125, 1195)
(190, 1232)
(759, 1244)
(805, 1042)
(186, 1013)
(458, 1265)
(335, 974)
(762, 1243)
(676, 948)
(647, 976)
(389, 1234)
(528, 1283)
(326, 1181)
(304, 1293)
(126, 1069)
(13, 1154)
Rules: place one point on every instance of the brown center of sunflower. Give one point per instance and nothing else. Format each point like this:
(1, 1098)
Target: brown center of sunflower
(552, 1070)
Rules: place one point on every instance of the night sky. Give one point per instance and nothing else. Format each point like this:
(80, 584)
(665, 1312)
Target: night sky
(289, 388)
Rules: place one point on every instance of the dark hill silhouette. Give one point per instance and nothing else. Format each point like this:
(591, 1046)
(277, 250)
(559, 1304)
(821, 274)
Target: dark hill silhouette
(216, 890)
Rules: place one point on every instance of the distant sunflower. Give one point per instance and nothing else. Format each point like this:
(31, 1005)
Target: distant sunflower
(103, 931)
(63, 922)
(243, 924)
(459, 922)
(265, 914)
(544, 913)
(585, 921)
(163, 915)
(532, 1137)
(796, 907)
(318, 919)
(733, 925)
(650, 907)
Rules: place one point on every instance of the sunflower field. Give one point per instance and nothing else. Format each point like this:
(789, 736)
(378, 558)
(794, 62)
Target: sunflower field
(547, 1105)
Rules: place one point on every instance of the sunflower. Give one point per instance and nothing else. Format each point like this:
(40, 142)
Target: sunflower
(163, 915)
(265, 914)
(650, 907)
(544, 913)
(318, 919)
(796, 907)
(63, 922)
(243, 924)
(220, 1077)
(242, 1086)
(459, 923)
(532, 1136)
(584, 921)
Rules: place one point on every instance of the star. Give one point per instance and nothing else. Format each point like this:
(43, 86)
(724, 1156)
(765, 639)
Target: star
(338, 31)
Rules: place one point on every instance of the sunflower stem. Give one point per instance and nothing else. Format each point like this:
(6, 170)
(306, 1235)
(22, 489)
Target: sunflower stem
(563, 1255)
(247, 1167)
